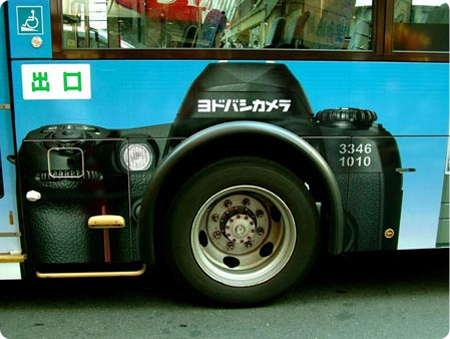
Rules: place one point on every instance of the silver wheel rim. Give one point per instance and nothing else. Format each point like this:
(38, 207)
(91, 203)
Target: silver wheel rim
(243, 236)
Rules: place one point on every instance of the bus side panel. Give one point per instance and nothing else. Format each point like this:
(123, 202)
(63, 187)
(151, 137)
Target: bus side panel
(29, 27)
(411, 100)
(10, 247)
(422, 192)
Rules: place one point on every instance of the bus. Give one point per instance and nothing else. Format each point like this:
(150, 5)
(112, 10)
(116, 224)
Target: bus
(225, 143)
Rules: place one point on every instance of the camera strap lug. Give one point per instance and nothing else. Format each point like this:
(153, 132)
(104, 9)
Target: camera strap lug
(405, 170)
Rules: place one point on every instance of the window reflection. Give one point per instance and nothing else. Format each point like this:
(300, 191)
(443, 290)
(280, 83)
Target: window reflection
(292, 24)
(421, 25)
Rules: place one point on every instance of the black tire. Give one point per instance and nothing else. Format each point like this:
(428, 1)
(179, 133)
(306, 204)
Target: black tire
(241, 231)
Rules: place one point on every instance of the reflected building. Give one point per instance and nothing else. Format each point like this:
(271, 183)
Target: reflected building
(291, 24)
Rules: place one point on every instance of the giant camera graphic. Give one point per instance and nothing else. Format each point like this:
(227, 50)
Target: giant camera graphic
(72, 173)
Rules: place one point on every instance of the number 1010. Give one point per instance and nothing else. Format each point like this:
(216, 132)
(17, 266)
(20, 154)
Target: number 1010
(350, 161)
(355, 155)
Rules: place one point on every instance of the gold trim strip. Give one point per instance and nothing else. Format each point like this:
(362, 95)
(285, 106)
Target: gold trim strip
(8, 258)
(92, 274)
(5, 106)
(10, 234)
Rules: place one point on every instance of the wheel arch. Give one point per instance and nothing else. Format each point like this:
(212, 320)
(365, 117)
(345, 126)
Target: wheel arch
(239, 138)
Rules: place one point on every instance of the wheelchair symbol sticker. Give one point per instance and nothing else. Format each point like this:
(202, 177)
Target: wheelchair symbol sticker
(29, 20)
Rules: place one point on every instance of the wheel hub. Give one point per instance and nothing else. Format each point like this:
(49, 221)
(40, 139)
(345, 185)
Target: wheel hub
(235, 224)
(240, 228)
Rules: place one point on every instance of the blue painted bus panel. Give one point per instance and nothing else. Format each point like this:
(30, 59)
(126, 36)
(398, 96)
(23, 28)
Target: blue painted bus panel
(411, 100)
(8, 207)
(30, 29)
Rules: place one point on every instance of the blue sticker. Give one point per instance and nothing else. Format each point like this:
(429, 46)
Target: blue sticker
(29, 20)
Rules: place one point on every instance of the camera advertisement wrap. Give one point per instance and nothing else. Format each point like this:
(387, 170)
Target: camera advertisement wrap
(386, 156)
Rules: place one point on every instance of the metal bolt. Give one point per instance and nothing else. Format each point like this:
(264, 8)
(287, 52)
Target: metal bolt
(260, 231)
(230, 246)
(36, 41)
(217, 234)
(259, 213)
(248, 244)
(389, 233)
(215, 217)
(227, 203)
(246, 202)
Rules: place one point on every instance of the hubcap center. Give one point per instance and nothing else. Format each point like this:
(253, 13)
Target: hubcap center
(240, 226)
(240, 230)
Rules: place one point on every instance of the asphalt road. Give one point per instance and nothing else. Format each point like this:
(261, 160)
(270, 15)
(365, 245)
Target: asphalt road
(395, 295)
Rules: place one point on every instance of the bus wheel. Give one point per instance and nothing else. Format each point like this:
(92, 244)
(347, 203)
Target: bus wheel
(241, 231)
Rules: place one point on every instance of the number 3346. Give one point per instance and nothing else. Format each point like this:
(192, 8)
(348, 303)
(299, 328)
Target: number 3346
(355, 154)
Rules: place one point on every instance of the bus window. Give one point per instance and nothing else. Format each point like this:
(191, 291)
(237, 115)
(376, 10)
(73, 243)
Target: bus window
(307, 24)
(421, 25)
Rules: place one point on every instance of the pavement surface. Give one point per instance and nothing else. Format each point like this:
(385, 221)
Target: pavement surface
(391, 295)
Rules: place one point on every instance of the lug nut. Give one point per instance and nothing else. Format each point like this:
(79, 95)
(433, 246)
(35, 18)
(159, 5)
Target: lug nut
(217, 234)
(230, 246)
(215, 217)
(260, 231)
(246, 202)
(259, 213)
(248, 244)
(227, 203)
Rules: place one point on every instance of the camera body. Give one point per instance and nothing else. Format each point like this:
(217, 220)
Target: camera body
(83, 171)
(366, 163)
(363, 155)
(78, 172)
